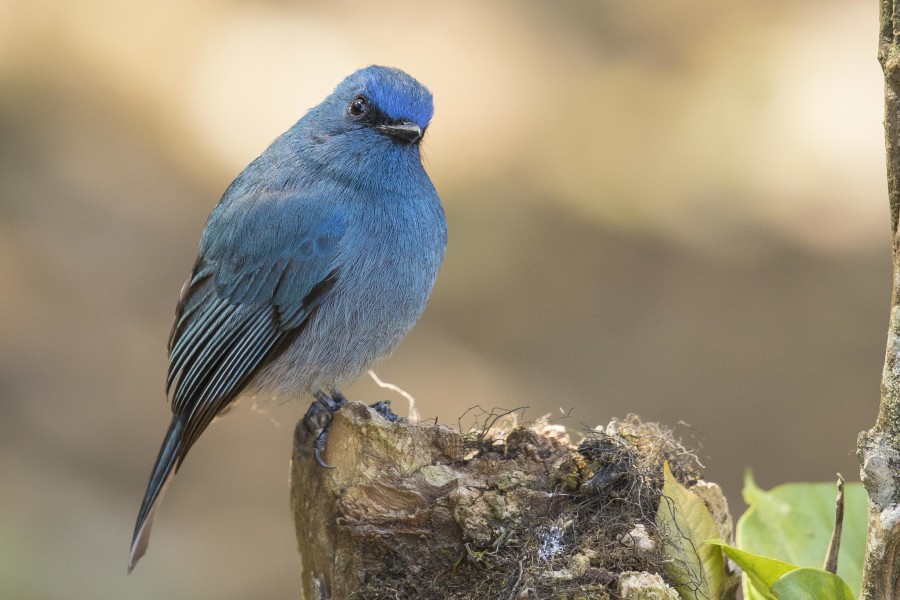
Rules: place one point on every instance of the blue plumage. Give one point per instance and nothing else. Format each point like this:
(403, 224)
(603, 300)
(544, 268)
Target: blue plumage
(398, 98)
(318, 259)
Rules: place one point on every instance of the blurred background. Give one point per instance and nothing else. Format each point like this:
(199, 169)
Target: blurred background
(671, 209)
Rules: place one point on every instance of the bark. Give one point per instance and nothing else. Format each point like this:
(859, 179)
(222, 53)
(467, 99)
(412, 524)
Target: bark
(879, 448)
(374, 503)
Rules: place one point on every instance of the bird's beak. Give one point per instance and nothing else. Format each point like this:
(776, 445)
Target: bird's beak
(404, 132)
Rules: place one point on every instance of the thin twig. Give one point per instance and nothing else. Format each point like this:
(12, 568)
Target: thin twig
(515, 588)
(831, 558)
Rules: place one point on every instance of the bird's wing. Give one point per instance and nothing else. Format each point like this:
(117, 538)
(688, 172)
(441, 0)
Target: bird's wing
(265, 264)
(263, 269)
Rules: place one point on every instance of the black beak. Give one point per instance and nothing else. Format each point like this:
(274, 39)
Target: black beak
(404, 132)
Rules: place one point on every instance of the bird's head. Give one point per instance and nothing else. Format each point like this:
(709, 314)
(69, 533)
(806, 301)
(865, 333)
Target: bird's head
(380, 101)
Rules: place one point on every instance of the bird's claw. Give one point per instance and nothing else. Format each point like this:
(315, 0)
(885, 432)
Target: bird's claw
(319, 446)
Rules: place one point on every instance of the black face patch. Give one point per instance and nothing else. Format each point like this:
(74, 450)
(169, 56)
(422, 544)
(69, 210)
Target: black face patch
(371, 116)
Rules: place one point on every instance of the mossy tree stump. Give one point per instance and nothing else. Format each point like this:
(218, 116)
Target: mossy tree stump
(417, 510)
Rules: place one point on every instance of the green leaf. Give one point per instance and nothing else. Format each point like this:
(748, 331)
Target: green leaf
(772, 579)
(812, 584)
(793, 523)
(696, 568)
(761, 571)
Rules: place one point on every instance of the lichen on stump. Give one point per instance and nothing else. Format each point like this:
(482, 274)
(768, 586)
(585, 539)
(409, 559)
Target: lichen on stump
(418, 510)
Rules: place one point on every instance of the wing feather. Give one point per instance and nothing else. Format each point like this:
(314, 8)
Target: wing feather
(258, 336)
(206, 358)
(197, 333)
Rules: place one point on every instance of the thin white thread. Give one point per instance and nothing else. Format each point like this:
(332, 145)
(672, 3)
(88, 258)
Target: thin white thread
(413, 412)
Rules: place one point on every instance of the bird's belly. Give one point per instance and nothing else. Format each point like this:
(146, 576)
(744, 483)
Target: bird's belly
(362, 320)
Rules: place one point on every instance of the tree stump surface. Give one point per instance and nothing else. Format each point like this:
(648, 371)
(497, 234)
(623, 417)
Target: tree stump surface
(419, 510)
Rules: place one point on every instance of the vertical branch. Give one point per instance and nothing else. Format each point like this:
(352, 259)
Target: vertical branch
(889, 57)
(879, 447)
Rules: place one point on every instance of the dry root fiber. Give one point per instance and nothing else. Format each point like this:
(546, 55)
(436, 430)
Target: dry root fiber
(414, 510)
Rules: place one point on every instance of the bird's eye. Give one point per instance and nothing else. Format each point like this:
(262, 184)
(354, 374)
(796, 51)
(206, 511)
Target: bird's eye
(359, 106)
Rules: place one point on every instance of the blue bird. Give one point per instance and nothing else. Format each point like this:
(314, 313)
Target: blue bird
(318, 259)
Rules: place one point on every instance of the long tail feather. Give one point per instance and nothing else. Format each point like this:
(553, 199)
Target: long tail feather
(166, 464)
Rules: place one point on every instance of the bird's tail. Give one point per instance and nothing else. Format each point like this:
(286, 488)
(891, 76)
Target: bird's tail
(166, 465)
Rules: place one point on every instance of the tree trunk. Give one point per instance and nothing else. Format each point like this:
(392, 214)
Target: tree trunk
(879, 447)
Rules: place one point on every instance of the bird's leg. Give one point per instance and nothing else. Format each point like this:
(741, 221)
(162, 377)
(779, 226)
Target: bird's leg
(338, 397)
(333, 401)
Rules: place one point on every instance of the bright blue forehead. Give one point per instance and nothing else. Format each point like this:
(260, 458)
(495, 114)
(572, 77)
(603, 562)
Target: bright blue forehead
(395, 93)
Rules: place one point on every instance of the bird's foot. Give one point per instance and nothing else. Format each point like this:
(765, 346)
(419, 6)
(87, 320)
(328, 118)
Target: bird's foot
(318, 419)
(383, 408)
(321, 412)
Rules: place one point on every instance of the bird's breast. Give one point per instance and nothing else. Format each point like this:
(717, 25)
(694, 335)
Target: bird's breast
(387, 265)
